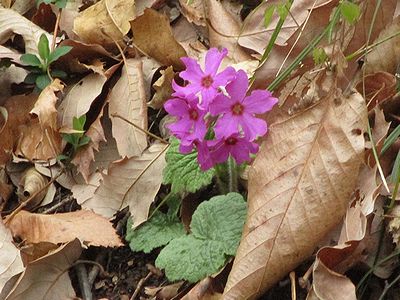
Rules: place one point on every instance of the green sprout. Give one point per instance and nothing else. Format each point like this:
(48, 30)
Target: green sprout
(59, 3)
(40, 72)
(77, 138)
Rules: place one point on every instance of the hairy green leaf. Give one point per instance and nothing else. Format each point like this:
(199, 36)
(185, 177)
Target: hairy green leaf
(31, 60)
(42, 81)
(350, 11)
(43, 47)
(216, 230)
(58, 52)
(183, 171)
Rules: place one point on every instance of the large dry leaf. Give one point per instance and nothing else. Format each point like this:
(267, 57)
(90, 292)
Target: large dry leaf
(164, 48)
(80, 97)
(12, 23)
(255, 35)
(128, 100)
(105, 22)
(224, 30)
(41, 140)
(47, 278)
(299, 187)
(90, 228)
(134, 182)
(10, 260)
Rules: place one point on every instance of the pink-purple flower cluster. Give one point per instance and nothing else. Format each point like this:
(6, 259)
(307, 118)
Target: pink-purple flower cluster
(213, 113)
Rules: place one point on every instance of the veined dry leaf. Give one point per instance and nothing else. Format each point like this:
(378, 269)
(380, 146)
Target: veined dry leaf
(78, 100)
(10, 260)
(224, 30)
(299, 188)
(53, 282)
(140, 6)
(85, 192)
(32, 182)
(164, 48)
(193, 11)
(12, 23)
(127, 99)
(41, 140)
(205, 290)
(255, 35)
(105, 22)
(90, 228)
(384, 57)
(134, 182)
(163, 87)
(85, 155)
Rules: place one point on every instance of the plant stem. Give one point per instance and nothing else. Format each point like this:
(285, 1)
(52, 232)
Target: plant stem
(232, 175)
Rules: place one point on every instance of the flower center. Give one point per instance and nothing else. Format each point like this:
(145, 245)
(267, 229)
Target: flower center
(193, 114)
(207, 81)
(231, 141)
(237, 109)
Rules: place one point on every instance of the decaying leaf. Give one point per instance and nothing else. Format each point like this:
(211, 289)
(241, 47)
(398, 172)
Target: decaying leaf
(105, 22)
(163, 87)
(307, 168)
(128, 100)
(53, 282)
(11, 262)
(90, 228)
(164, 48)
(13, 23)
(134, 182)
(193, 11)
(32, 183)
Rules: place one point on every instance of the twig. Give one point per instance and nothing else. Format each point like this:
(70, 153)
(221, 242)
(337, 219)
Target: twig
(53, 44)
(303, 281)
(97, 267)
(122, 223)
(84, 285)
(52, 209)
(140, 285)
(292, 277)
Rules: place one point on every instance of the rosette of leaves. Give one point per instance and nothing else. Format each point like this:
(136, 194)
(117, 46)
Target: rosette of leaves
(40, 73)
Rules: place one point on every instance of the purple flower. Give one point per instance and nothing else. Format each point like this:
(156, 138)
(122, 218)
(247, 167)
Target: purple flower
(239, 147)
(208, 81)
(190, 125)
(203, 153)
(238, 111)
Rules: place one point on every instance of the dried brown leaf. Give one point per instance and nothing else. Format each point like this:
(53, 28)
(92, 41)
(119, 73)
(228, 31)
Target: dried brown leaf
(53, 281)
(134, 182)
(193, 11)
(128, 100)
(90, 228)
(10, 260)
(32, 182)
(164, 48)
(299, 188)
(105, 22)
(163, 88)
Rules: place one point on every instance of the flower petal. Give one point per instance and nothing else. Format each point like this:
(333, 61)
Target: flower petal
(213, 60)
(237, 88)
(220, 153)
(176, 107)
(259, 102)
(180, 128)
(221, 104)
(193, 72)
(207, 96)
(226, 126)
(221, 79)
(252, 126)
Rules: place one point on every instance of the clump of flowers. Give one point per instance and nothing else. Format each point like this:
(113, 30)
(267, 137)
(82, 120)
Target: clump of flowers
(213, 113)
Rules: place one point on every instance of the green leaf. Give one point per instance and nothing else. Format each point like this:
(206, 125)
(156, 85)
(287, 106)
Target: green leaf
(269, 12)
(350, 11)
(183, 171)
(61, 3)
(71, 138)
(79, 123)
(391, 139)
(283, 10)
(319, 55)
(31, 78)
(58, 52)
(84, 141)
(43, 47)
(42, 81)
(216, 230)
(58, 73)
(31, 60)
(156, 232)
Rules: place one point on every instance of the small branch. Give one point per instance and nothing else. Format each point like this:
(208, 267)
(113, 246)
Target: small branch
(140, 285)
(292, 277)
(64, 201)
(97, 267)
(53, 44)
(82, 275)
(303, 281)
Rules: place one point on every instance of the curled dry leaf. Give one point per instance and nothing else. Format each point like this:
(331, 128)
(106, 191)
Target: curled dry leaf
(299, 188)
(53, 282)
(224, 30)
(163, 88)
(10, 262)
(193, 11)
(165, 49)
(105, 22)
(13, 23)
(90, 228)
(205, 290)
(32, 183)
(128, 100)
(134, 182)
